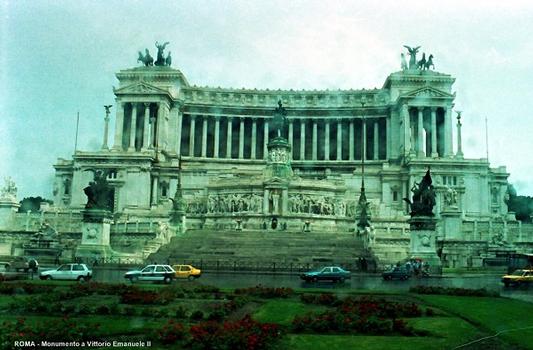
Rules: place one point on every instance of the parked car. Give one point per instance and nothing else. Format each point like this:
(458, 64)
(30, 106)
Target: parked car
(328, 273)
(187, 271)
(22, 263)
(74, 272)
(518, 278)
(155, 273)
(397, 272)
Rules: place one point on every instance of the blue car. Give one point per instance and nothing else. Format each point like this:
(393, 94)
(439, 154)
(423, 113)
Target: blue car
(328, 273)
(397, 272)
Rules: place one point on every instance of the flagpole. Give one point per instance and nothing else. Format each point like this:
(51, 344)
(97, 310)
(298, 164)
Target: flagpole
(76, 138)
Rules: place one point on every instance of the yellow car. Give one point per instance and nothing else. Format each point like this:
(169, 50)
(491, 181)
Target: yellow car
(518, 278)
(187, 271)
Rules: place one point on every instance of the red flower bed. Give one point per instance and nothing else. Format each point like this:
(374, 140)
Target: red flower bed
(265, 292)
(245, 334)
(171, 332)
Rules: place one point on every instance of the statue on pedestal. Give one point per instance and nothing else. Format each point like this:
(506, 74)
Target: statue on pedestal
(9, 191)
(424, 197)
(99, 193)
(412, 56)
(450, 197)
(279, 123)
(147, 60)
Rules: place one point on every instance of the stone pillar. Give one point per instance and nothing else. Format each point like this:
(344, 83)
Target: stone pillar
(326, 140)
(376, 139)
(388, 138)
(265, 202)
(406, 118)
(241, 138)
(133, 124)
(363, 156)
(146, 127)
(284, 201)
(420, 133)
(315, 140)
(459, 141)
(291, 136)
(119, 126)
(217, 137)
(351, 140)
(154, 191)
(339, 139)
(179, 128)
(204, 137)
(265, 140)
(106, 130)
(423, 243)
(254, 138)
(229, 138)
(302, 139)
(434, 153)
(191, 135)
(448, 137)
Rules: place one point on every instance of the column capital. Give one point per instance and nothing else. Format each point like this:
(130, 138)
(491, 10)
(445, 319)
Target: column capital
(146, 104)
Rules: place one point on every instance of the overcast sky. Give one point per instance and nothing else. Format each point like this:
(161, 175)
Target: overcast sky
(59, 57)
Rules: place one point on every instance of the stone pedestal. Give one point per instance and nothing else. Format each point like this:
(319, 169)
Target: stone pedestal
(451, 224)
(423, 242)
(8, 209)
(95, 242)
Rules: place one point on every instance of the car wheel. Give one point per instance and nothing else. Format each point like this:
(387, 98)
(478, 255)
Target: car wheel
(167, 280)
(506, 284)
(81, 279)
(49, 278)
(134, 279)
(190, 278)
(314, 279)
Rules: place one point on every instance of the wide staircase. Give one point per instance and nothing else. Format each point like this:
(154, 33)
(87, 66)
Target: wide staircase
(249, 248)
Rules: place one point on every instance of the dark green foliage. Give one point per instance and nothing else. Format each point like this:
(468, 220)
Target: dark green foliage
(33, 204)
(521, 205)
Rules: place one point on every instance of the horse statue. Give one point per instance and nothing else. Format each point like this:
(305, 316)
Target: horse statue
(429, 63)
(168, 60)
(422, 63)
(160, 59)
(412, 53)
(424, 198)
(147, 60)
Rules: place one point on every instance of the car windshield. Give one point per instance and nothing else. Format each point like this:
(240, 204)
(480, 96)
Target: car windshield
(518, 273)
(148, 269)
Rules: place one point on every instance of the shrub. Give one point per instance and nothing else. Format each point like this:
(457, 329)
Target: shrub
(129, 311)
(171, 332)
(181, 312)
(430, 312)
(103, 310)
(197, 315)
(265, 292)
(482, 292)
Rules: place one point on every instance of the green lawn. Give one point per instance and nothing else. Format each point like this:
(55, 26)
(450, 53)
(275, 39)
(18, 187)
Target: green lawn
(283, 311)
(492, 314)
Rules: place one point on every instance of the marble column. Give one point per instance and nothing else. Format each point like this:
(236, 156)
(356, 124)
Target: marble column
(265, 202)
(265, 139)
(151, 140)
(315, 140)
(351, 140)
(326, 140)
(459, 153)
(241, 138)
(291, 136)
(363, 156)
(420, 133)
(448, 137)
(154, 191)
(146, 127)
(179, 132)
(216, 141)
(254, 139)
(406, 118)
(204, 136)
(302, 139)
(434, 153)
(119, 126)
(376, 139)
(284, 201)
(133, 127)
(388, 138)
(229, 138)
(106, 130)
(339, 139)
(191, 135)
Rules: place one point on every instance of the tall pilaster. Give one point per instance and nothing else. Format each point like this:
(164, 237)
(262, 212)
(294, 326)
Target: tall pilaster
(204, 136)
(406, 118)
(106, 127)
(254, 139)
(376, 140)
(241, 138)
(146, 127)
(351, 140)
(339, 139)
(448, 137)
(216, 141)
(364, 140)
(192, 132)
(151, 140)
(119, 126)
(133, 124)
(302, 139)
(315, 140)
(420, 133)
(388, 138)
(459, 153)
(154, 191)
(229, 138)
(265, 140)
(434, 153)
(290, 136)
(326, 140)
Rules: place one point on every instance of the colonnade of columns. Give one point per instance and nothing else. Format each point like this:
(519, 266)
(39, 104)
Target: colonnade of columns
(427, 131)
(312, 139)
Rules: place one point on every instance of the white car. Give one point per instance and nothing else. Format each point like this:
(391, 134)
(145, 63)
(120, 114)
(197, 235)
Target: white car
(74, 272)
(156, 273)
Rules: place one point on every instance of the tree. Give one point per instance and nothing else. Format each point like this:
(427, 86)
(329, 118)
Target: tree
(33, 204)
